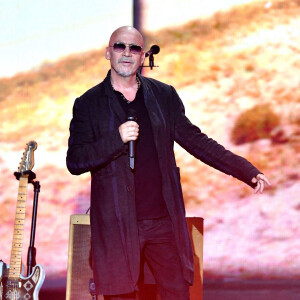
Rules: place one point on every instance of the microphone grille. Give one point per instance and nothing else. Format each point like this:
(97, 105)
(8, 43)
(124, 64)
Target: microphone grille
(155, 49)
(131, 112)
(131, 115)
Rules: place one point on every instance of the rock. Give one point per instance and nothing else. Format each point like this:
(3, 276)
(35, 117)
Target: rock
(283, 133)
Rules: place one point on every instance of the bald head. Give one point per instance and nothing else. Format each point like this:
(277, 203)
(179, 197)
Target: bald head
(124, 61)
(130, 33)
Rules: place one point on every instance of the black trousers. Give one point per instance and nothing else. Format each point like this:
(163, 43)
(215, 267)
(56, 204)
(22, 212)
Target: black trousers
(158, 249)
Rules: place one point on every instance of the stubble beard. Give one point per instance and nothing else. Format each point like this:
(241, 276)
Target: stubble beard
(125, 73)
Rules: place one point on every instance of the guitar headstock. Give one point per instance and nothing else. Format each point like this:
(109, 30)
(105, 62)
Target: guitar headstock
(27, 161)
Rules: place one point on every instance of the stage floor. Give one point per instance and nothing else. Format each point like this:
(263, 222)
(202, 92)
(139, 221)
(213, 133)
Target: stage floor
(224, 290)
(252, 290)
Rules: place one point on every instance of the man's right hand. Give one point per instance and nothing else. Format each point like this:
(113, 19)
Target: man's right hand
(129, 131)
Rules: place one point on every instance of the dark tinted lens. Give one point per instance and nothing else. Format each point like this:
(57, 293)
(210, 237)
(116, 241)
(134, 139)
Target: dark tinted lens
(135, 49)
(119, 47)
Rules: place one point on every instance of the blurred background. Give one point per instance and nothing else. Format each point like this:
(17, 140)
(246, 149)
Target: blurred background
(236, 67)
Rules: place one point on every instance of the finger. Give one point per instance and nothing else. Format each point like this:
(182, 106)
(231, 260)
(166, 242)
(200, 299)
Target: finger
(131, 123)
(265, 179)
(262, 186)
(134, 128)
(133, 134)
(133, 131)
(259, 187)
(132, 138)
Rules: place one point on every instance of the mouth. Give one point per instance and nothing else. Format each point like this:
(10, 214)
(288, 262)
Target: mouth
(126, 62)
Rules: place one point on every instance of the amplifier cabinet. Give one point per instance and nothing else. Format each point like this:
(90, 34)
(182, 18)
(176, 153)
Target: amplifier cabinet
(79, 258)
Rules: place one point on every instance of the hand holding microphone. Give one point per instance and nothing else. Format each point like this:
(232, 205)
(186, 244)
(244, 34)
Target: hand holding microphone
(129, 132)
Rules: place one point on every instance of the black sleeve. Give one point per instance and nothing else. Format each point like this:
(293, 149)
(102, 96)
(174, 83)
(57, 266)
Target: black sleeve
(85, 152)
(208, 150)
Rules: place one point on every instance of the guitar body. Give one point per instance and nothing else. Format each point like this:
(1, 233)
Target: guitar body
(24, 288)
(13, 286)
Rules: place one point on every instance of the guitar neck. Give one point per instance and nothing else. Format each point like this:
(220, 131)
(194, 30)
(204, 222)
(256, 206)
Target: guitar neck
(16, 251)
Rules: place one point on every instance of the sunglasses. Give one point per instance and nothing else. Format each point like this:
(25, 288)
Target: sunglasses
(120, 47)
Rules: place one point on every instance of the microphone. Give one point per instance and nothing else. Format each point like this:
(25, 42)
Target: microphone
(131, 116)
(153, 50)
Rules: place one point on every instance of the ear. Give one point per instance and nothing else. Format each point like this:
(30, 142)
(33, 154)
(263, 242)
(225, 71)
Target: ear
(107, 53)
(142, 59)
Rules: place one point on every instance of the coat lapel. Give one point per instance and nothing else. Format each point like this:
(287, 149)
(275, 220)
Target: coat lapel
(151, 102)
(155, 114)
(113, 101)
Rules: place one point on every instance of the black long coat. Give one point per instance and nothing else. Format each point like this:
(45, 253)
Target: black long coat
(95, 145)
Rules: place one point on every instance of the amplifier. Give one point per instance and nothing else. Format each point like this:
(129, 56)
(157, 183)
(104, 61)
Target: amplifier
(79, 258)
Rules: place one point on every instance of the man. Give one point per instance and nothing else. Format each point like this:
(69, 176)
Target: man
(137, 217)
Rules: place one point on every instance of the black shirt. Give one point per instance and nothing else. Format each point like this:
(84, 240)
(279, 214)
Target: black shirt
(147, 176)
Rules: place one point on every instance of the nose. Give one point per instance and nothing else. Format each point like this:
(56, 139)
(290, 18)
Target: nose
(127, 52)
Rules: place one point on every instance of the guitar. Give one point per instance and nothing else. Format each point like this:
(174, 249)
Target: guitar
(13, 285)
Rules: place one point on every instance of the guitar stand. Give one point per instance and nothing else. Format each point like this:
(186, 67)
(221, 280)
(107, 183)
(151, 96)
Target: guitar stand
(31, 255)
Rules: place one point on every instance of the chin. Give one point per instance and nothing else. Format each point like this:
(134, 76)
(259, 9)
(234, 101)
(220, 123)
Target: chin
(126, 73)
